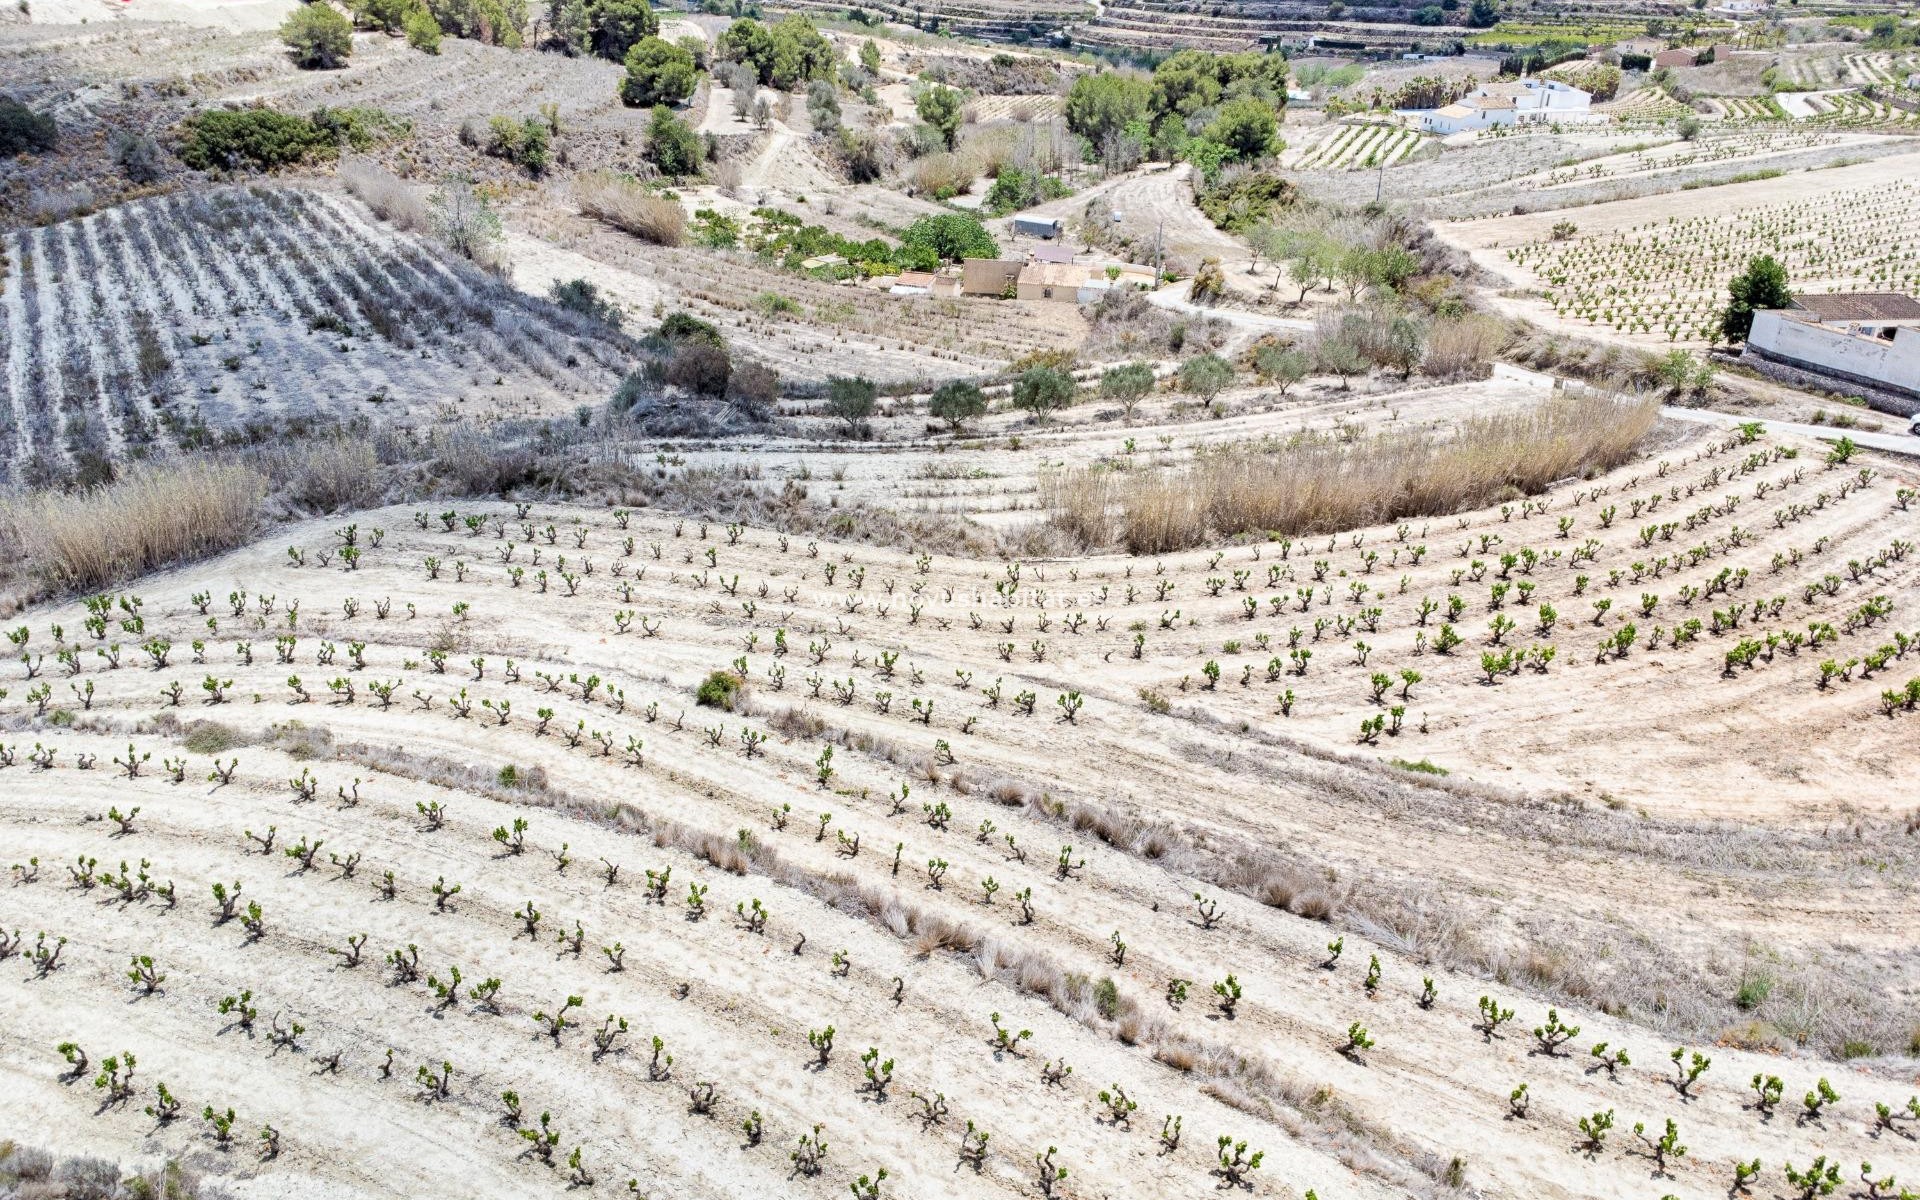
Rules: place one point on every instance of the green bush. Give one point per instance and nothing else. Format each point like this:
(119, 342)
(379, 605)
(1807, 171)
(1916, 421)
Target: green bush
(851, 399)
(719, 689)
(317, 36)
(672, 145)
(577, 295)
(1239, 199)
(260, 138)
(24, 131)
(524, 143)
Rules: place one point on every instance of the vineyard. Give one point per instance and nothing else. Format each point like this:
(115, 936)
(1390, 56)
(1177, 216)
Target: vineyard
(187, 319)
(623, 847)
(1885, 68)
(1669, 277)
(1355, 147)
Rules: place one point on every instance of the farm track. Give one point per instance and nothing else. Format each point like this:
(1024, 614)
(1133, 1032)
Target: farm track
(1220, 774)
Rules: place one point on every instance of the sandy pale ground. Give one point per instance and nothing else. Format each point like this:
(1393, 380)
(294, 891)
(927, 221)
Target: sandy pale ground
(1515, 853)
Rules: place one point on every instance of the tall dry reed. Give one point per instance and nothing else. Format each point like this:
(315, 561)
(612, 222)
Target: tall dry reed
(628, 206)
(1320, 484)
(152, 516)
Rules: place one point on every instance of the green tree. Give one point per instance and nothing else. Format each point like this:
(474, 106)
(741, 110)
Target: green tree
(423, 32)
(672, 145)
(1429, 14)
(1187, 82)
(1206, 376)
(1762, 285)
(317, 36)
(950, 237)
(956, 402)
(658, 72)
(617, 25)
(941, 108)
(799, 54)
(1127, 385)
(851, 399)
(1482, 14)
(1040, 390)
(1102, 105)
(1281, 366)
(747, 41)
(388, 16)
(823, 106)
(870, 57)
(1246, 127)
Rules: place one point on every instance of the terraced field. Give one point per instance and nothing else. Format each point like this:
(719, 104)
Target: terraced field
(1357, 146)
(188, 318)
(940, 808)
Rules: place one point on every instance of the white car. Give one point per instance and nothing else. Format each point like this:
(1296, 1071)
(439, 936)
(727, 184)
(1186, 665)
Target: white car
(1913, 427)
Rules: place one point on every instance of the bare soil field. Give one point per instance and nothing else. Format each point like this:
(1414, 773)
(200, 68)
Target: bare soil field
(515, 688)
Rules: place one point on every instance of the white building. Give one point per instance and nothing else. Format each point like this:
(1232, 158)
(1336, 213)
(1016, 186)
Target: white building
(1531, 101)
(1740, 8)
(1869, 340)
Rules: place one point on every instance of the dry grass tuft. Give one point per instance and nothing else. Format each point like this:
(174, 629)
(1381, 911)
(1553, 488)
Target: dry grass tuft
(629, 207)
(1318, 484)
(151, 517)
(1463, 347)
(385, 193)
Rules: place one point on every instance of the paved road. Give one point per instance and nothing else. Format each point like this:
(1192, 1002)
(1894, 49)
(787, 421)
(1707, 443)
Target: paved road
(1893, 443)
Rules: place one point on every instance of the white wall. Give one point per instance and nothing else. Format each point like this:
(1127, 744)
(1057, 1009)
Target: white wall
(1895, 363)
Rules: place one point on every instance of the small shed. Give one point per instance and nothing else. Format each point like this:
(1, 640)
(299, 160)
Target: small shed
(1052, 281)
(1039, 227)
(989, 276)
(912, 283)
(1053, 254)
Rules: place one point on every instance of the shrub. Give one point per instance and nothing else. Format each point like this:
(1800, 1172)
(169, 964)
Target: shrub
(464, 220)
(720, 689)
(1239, 198)
(658, 72)
(700, 368)
(755, 388)
(137, 155)
(524, 143)
(672, 145)
(151, 516)
(685, 327)
(260, 138)
(956, 402)
(317, 36)
(577, 295)
(23, 131)
(625, 204)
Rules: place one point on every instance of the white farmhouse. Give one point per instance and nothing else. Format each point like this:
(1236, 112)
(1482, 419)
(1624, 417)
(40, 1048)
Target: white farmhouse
(1532, 101)
(1855, 341)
